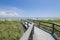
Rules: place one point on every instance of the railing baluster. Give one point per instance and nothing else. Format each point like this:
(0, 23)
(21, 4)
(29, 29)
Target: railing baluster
(52, 29)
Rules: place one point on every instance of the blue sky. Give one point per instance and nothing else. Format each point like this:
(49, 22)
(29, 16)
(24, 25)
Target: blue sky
(30, 8)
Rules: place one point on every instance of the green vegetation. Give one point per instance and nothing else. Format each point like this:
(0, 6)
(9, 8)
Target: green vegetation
(11, 30)
(37, 22)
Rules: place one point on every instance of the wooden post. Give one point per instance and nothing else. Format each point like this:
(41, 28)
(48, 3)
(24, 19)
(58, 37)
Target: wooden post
(52, 29)
(39, 24)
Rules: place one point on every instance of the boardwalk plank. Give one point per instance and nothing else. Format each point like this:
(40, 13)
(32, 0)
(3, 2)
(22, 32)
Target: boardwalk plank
(41, 35)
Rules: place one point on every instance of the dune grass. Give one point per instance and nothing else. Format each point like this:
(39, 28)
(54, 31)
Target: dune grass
(11, 30)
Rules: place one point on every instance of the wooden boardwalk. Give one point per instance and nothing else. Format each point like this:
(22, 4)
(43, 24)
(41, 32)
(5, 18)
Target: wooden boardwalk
(41, 35)
(38, 34)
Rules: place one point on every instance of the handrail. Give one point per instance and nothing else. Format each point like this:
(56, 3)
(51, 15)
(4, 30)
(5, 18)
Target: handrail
(46, 25)
(46, 22)
(51, 23)
(52, 26)
(28, 34)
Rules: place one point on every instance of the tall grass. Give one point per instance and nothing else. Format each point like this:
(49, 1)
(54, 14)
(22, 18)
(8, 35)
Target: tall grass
(11, 30)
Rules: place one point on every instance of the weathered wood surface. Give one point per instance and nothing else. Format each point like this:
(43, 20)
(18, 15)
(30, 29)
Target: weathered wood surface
(38, 33)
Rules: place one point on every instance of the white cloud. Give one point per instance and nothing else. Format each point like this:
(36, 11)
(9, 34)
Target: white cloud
(13, 12)
(9, 14)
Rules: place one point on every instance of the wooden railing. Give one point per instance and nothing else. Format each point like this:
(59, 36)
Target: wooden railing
(28, 35)
(53, 26)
